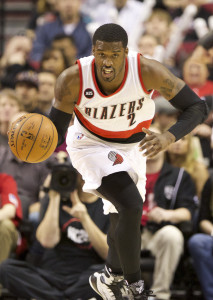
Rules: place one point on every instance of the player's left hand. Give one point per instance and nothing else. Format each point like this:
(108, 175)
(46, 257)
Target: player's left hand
(155, 142)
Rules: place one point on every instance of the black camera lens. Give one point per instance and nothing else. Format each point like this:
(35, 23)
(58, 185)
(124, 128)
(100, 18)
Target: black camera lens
(64, 180)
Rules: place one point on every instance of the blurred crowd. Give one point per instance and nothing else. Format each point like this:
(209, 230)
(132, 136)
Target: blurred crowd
(52, 241)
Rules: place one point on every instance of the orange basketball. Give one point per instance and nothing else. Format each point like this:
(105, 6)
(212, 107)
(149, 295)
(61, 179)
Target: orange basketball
(33, 138)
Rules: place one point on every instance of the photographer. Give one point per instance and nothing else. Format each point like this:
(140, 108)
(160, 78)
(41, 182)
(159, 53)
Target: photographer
(72, 232)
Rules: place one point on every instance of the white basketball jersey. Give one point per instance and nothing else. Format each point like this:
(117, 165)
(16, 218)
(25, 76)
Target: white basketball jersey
(118, 117)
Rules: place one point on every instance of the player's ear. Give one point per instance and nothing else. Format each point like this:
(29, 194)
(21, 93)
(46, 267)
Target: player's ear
(126, 51)
(93, 50)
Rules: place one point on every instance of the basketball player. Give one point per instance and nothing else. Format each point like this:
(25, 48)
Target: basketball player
(110, 92)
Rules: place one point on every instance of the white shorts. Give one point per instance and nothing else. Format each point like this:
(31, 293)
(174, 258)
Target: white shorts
(95, 158)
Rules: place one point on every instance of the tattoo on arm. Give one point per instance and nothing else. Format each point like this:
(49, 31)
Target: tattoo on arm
(170, 88)
(167, 87)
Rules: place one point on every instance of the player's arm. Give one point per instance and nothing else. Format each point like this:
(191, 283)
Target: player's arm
(194, 110)
(66, 95)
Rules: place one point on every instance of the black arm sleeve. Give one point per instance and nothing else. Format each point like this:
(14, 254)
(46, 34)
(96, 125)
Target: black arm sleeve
(194, 112)
(61, 121)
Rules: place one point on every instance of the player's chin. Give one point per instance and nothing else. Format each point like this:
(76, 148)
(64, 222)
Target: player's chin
(108, 77)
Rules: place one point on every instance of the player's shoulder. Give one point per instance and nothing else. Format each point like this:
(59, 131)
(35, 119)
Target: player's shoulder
(149, 65)
(68, 84)
(70, 75)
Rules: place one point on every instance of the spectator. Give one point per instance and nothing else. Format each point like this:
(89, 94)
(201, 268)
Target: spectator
(185, 154)
(192, 19)
(159, 25)
(10, 104)
(201, 9)
(70, 22)
(14, 60)
(54, 60)
(204, 51)
(149, 46)
(73, 233)
(89, 6)
(195, 74)
(170, 194)
(29, 178)
(165, 114)
(200, 244)
(26, 87)
(204, 48)
(130, 14)
(67, 45)
(46, 84)
(45, 12)
(10, 215)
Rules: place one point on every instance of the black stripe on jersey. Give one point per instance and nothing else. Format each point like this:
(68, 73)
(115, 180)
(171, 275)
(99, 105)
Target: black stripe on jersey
(135, 138)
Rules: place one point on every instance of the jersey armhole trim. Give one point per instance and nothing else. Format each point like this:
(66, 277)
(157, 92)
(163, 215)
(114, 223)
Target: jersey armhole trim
(140, 75)
(81, 82)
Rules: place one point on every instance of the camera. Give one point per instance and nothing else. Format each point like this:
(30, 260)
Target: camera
(64, 179)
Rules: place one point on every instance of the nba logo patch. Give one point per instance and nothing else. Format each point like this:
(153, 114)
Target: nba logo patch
(80, 136)
(115, 157)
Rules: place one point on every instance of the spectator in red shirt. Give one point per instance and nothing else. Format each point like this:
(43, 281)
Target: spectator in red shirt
(10, 215)
(195, 74)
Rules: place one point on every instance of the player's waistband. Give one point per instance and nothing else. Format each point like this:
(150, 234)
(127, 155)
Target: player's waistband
(133, 139)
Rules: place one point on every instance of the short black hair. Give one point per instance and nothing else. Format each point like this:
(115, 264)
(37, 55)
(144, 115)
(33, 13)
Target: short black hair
(110, 33)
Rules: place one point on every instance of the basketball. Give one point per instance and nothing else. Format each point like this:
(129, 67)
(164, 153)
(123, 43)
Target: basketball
(32, 138)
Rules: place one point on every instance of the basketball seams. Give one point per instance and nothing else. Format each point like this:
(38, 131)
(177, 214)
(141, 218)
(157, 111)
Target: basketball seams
(19, 132)
(37, 160)
(35, 138)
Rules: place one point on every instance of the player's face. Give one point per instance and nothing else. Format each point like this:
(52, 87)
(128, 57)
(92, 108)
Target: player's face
(109, 60)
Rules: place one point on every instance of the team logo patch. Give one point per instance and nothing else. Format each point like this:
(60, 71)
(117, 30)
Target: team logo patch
(89, 93)
(115, 157)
